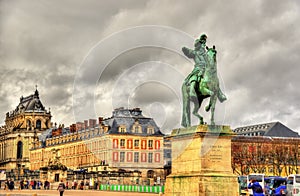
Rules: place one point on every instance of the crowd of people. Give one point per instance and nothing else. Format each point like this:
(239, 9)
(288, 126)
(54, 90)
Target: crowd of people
(9, 184)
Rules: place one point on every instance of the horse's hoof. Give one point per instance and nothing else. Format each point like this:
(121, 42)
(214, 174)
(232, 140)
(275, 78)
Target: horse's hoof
(222, 98)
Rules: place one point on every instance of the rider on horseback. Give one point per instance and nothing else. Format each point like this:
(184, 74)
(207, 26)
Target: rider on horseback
(200, 57)
(201, 60)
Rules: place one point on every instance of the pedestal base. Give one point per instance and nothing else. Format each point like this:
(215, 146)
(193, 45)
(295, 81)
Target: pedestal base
(201, 164)
(198, 185)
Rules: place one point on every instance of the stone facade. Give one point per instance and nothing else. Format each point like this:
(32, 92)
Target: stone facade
(273, 156)
(22, 128)
(201, 162)
(127, 142)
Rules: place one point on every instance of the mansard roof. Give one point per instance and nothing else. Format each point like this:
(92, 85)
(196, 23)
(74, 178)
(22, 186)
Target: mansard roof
(31, 103)
(273, 129)
(129, 118)
(49, 133)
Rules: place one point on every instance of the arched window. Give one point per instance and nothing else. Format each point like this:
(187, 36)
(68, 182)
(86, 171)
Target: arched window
(19, 150)
(150, 174)
(38, 124)
(28, 123)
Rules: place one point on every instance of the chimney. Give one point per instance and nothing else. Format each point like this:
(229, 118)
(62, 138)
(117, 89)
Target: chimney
(92, 123)
(86, 124)
(79, 126)
(100, 120)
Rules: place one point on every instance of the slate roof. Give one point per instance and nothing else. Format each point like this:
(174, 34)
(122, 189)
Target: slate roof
(48, 134)
(128, 117)
(273, 129)
(28, 104)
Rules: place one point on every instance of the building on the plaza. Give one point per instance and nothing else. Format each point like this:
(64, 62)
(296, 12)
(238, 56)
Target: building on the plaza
(125, 148)
(273, 129)
(167, 154)
(22, 127)
(269, 148)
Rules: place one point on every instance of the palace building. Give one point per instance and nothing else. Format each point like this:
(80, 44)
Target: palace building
(269, 148)
(22, 127)
(127, 146)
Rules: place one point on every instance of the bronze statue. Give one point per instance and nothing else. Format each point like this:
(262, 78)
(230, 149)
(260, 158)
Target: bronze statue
(202, 82)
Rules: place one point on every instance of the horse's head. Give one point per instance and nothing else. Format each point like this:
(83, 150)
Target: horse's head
(212, 53)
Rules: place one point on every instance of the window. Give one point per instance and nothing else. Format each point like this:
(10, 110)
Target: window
(122, 129)
(38, 124)
(150, 157)
(150, 174)
(122, 143)
(28, 124)
(136, 129)
(19, 150)
(136, 157)
(150, 144)
(122, 156)
(136, 143)
(150, 130)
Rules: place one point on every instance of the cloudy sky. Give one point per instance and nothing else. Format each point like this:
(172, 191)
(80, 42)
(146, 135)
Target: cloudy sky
(88, 57)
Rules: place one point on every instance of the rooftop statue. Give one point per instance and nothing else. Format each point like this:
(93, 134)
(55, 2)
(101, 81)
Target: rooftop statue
(202, 82)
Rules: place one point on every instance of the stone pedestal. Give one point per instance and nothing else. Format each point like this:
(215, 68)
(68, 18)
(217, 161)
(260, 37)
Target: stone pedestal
(201, 162)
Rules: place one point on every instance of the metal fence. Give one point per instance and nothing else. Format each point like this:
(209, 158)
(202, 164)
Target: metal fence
(133, 188)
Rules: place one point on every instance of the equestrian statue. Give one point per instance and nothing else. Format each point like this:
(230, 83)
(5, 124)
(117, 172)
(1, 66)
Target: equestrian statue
(201, 83)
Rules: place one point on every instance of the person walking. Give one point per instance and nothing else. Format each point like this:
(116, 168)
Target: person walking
(61, 188)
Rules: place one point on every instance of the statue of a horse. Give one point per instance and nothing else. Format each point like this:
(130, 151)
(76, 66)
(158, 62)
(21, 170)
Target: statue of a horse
(207, 87)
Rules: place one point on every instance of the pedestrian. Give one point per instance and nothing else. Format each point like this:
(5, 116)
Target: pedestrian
(6, 185)
(256, 188)
(22, 184)
(96, 185)
(31, 184)
(81, 185)
(75, 185)
(67, 185)
(39, 184)
(61, 188)
(11, 185)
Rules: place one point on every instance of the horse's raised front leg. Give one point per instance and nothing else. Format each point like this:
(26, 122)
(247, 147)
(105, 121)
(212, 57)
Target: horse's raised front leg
(204, 89)
(207, 108)
(221, 96)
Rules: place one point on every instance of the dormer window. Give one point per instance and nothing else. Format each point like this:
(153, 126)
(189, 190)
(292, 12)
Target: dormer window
(150, 130)
(137, 129)
(122, 129)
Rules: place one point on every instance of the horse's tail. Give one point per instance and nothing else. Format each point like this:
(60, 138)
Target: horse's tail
(186, 113)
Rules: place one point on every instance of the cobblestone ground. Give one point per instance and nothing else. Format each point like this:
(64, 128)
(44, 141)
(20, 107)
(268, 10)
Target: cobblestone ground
(70, 192)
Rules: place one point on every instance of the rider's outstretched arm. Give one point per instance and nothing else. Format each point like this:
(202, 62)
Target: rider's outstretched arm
(188, 52)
